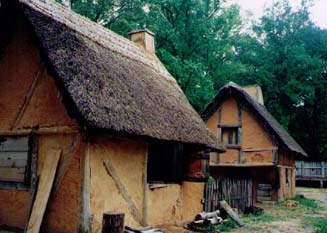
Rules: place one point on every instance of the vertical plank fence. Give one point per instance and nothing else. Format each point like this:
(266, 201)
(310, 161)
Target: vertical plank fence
(236, 192)
(311, 169)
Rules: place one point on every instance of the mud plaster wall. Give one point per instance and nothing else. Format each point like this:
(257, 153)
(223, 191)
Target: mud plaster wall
(128, 159)
(192, 200)
(165, 205)
(229, 157)
(253, 135)
(62, 210)
(14, 207)
(259, 157)
(229, 112)
(63, 206)
(19, 65)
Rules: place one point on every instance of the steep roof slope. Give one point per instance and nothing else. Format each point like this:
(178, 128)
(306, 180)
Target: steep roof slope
(260, 111)
(113, 84)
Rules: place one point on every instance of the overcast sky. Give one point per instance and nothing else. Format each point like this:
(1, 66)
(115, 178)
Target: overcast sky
(318, 11)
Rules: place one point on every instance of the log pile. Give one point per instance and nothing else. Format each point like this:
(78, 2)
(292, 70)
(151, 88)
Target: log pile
(207, 220)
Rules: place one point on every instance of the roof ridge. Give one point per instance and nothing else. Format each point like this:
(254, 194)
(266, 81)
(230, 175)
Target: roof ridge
(97, 33)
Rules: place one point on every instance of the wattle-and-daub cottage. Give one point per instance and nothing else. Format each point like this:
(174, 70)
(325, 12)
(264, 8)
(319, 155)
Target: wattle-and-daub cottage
(96, 119)
(258, 148)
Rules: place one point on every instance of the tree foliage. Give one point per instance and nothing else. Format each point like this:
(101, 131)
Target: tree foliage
(204, 45)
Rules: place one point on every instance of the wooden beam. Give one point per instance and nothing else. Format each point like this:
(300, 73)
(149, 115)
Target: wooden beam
(231, 213)
(131, 205)
(85, 216)
(66, 162)
(259, 149)
(244, 165)
(145, 191)
(12, 174)
(41, 131)
(28, 96)
(43, 193)
(229, 126)
(219, 116)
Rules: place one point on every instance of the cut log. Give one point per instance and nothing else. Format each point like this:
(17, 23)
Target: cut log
(213, 221)
(113, 222)
(43, 192)
(205, 215)
(231, 213)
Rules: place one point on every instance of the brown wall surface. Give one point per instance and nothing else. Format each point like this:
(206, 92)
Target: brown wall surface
(229, 112)
(14, 206)
(63, 206)
(171, 204)
(253, 134)
(165, 205)
(128, 159)
(229, 157)
(19, 67)
(192, 197)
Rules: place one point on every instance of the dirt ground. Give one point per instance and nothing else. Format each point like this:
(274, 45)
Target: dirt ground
(279, 218)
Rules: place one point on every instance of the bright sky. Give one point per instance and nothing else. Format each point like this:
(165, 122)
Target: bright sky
(318, 10)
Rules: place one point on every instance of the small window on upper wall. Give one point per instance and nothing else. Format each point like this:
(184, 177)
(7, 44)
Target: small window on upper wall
(14, 160)
(230, 136)
(287, 176)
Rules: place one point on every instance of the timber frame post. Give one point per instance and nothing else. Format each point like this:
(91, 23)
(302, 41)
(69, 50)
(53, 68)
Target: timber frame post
(85, 216)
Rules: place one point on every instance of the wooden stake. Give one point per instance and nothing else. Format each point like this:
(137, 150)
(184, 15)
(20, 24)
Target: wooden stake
(231, 213)
(85, 215)
(113, 222)
(44, 189)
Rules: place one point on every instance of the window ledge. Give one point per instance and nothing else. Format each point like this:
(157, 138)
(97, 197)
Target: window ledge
(233, 146)
(13, 185)
(157, 186)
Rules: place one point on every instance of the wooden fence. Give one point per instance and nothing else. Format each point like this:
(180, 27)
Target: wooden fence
(237, 193)
(311, 170)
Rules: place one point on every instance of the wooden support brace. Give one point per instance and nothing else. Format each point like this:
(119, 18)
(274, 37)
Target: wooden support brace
(65, 164)
(112, 172)
(44, 189)
(231, 213)
(28, 96)
(85, 217)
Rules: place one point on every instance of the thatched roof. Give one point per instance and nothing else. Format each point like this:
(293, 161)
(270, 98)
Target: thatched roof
(258, 110)
(113, 84)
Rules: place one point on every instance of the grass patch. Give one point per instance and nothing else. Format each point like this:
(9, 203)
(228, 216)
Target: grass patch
(306, 203)
(227, 226)
(319, 224)
(250, 219)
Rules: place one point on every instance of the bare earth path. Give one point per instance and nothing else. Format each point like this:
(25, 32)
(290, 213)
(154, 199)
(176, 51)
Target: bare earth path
(278, 218)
